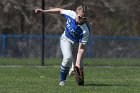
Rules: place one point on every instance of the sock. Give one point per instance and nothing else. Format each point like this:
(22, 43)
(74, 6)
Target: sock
(63, 72)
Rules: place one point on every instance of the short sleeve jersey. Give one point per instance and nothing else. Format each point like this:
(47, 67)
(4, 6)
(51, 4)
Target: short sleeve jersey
(74, 32)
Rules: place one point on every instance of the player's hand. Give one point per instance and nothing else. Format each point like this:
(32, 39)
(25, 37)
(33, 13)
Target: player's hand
(39, 11)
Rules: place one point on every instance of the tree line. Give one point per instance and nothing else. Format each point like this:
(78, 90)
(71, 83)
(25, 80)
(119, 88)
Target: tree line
(107, 17)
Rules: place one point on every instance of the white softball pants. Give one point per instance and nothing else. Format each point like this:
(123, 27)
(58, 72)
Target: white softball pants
(66, 48)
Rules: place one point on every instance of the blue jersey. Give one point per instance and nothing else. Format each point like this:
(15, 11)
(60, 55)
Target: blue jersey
(74, 32)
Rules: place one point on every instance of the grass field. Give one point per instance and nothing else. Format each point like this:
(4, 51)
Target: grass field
(100, 77)
(88, 62)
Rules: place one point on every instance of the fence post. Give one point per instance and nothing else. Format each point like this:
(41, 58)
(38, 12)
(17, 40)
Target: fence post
(43, 30)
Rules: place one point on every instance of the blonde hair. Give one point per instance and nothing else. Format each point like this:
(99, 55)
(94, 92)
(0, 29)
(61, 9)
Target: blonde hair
(82, 8)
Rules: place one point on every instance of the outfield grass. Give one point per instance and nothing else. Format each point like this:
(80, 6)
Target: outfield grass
(110, 75)
(46, 79)
(88, 62)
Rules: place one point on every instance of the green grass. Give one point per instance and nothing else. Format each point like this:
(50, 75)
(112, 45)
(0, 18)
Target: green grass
(46, 79)
(110, 75)
(89, 62)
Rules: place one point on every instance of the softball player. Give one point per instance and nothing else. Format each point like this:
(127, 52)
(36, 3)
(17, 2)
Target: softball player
(76, 31)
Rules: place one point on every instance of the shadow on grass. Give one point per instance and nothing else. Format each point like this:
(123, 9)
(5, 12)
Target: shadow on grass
(106, 85)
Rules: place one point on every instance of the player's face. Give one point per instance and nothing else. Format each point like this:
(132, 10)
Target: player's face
(81, 17)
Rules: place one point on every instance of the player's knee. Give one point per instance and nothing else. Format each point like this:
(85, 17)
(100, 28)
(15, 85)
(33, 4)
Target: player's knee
(67, 61)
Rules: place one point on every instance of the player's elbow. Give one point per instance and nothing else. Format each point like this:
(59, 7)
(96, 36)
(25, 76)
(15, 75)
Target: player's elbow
(59, 9)
(81, 48)
(81, 51)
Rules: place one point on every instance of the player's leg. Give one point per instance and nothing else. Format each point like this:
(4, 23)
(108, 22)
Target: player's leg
(71, 71)
(66, 48)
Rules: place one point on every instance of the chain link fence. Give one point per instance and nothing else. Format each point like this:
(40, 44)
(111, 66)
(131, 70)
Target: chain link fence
(21, 40)
(25, 49)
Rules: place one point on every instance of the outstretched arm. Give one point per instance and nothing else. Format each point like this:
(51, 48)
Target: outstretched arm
(54, 10)
(81, 50)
